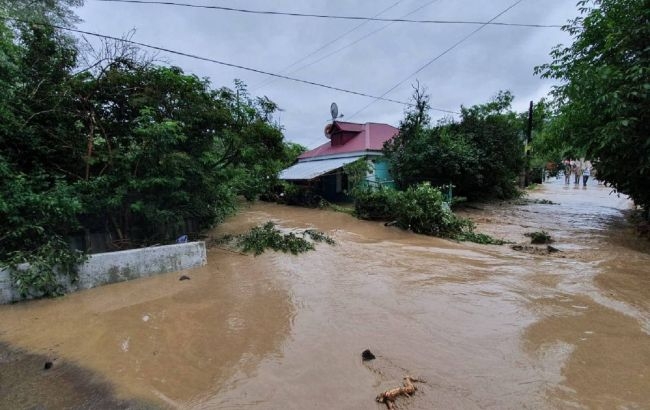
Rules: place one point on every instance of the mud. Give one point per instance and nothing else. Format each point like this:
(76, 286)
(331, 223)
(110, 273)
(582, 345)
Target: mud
(483, 326)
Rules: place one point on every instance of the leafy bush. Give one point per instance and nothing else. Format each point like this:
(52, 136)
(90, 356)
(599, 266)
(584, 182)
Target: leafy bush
(260, 238)
(422, 209)
(539, 237)
(41, 272)
(376, 204)
(476, 237)
(36, 213)
(291, 194)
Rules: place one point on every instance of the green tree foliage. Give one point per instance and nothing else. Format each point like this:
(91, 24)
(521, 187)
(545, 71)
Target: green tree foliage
(35, 215)
(267, 236)
(481, 155)
(603, 108)
(545, 145)
(58, 12)
(376, 204)
(114, 144)
(420, 208)
(357, 173)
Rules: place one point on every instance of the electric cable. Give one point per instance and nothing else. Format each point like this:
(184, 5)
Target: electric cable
(338, 50)
(224, 63)
(300, 60)
(437, 57)
(327, 16)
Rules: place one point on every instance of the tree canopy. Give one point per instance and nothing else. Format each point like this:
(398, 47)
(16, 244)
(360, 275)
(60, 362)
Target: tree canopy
(481, 155)
(107, 141)
(602, 104)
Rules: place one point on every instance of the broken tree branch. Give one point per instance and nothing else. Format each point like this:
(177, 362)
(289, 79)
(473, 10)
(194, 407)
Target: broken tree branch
(388, 397)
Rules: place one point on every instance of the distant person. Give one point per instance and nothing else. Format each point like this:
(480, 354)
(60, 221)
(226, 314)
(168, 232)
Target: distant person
(567, 171)
(586, 172)
(575, 169)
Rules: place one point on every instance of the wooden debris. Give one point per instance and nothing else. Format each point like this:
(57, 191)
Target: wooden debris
(388, 397)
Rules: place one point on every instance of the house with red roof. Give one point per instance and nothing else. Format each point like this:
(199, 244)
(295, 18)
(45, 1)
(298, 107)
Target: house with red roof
(322, 168)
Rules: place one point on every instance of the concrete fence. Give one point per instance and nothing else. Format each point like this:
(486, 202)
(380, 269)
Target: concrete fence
(104, 268)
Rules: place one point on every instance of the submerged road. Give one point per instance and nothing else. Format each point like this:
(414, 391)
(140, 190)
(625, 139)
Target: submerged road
(483, 326)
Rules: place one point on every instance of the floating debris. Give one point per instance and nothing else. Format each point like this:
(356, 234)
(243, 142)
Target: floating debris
(367, 355)
(388, 397)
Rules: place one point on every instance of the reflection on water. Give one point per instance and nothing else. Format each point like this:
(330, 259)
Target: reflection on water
(484, 326)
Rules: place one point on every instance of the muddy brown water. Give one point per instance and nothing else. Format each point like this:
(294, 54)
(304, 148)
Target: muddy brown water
(483, 326)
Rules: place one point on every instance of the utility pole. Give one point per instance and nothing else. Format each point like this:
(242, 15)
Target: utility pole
(529, 133)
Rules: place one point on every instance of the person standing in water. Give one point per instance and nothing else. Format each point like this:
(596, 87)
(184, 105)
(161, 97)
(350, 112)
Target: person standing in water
(575, 169)
(567, 171)
(586, 172)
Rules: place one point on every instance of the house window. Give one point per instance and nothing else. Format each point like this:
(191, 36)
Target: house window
(339, 182)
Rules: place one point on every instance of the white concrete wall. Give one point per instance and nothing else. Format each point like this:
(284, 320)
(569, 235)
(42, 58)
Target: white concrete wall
(104, 268)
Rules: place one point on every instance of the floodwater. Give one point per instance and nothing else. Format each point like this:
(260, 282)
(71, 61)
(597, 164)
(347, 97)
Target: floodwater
(483, 326)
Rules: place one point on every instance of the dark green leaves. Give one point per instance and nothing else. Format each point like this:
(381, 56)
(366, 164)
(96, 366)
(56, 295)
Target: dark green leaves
(603, 104)
(481, 155)
(261, 238)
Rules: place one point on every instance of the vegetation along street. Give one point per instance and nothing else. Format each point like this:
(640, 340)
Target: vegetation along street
(454, 243)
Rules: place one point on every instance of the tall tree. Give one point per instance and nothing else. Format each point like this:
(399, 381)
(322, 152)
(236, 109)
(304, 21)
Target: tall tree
(57, 12)
(603, 103)
(112, 143)
(481, 155)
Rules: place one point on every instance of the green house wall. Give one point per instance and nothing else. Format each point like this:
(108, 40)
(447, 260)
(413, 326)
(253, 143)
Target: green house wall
(381, 175)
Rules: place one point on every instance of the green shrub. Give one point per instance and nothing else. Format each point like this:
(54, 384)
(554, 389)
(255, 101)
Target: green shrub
(292, 194)
(476, 237)
(422, 209)
(260, 238)
(39, 273)
(540, 237)
(376, 204)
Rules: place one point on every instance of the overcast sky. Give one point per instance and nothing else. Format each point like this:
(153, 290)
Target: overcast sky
(495, 58)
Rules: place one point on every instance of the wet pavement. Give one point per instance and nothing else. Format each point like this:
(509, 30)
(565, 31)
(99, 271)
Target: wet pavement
(484, 326)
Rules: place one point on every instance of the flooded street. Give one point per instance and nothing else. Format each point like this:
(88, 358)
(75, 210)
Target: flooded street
(483, 326)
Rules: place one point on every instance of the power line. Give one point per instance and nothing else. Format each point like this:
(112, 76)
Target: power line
(211, 60)
(436, 58)
(359, 39)
(355, 41)
(327, 16)
(300, 60)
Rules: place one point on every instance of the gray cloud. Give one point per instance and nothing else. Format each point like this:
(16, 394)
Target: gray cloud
(496, 58)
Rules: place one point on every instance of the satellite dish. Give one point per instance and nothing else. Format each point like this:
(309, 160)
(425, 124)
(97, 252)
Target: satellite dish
(334, 110)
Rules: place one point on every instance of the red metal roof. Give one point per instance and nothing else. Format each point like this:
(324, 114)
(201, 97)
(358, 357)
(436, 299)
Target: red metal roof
(349, 126)
(370, 137)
